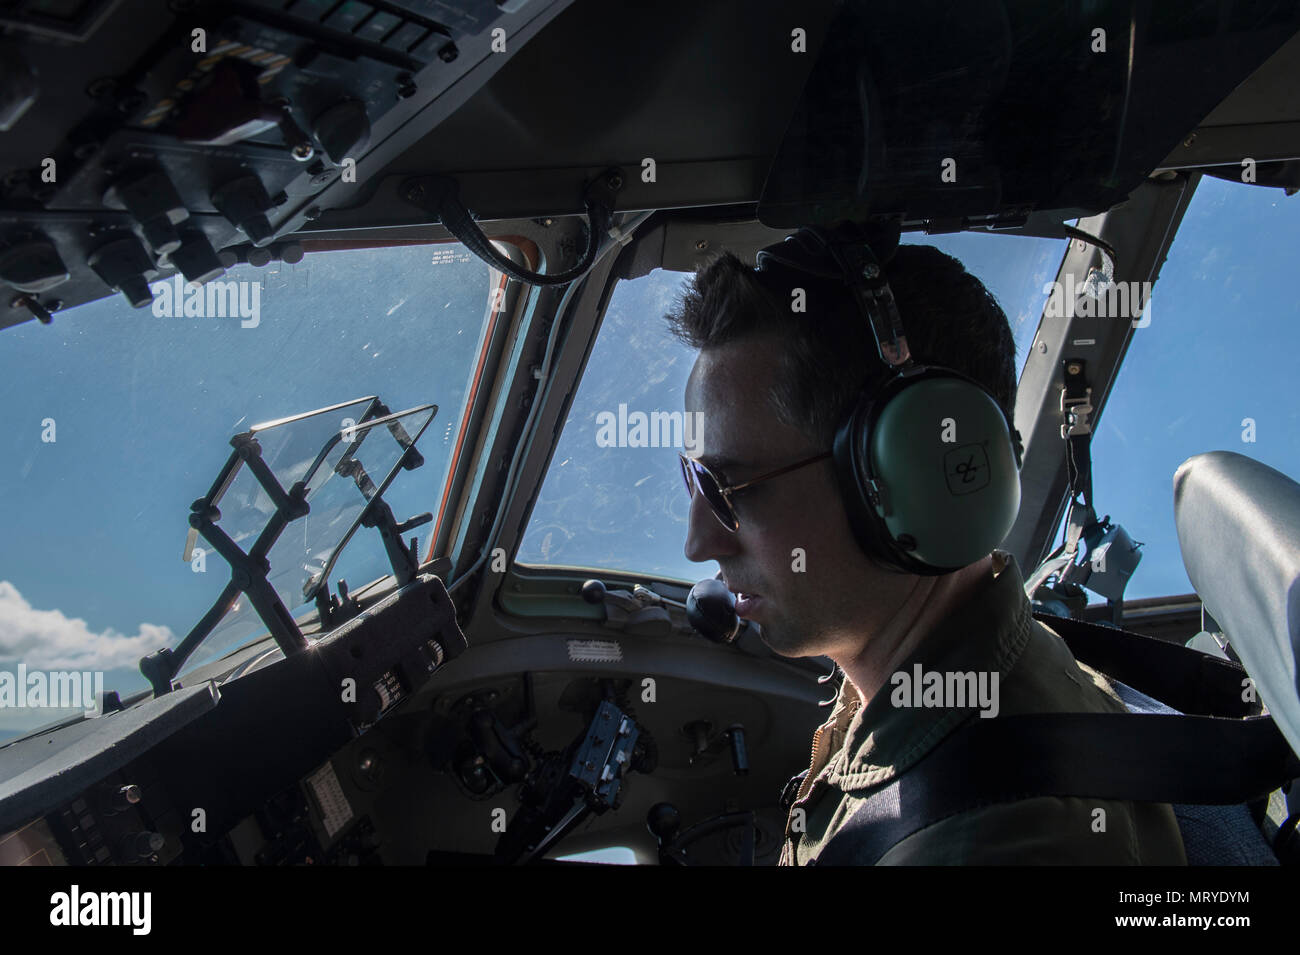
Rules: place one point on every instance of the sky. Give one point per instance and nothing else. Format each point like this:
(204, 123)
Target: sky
(143, 407)
(1220, 349)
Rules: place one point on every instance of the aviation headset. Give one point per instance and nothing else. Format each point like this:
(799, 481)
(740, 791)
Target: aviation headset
(927, 463)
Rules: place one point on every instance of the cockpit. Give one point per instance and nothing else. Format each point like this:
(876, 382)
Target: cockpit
(344, 515)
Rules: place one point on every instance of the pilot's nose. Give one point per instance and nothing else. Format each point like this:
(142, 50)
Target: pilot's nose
(706, 538)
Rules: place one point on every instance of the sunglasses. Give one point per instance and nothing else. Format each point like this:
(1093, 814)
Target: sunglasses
(698, 477)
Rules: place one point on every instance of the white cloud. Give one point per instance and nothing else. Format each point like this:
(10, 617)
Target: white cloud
(49, 640)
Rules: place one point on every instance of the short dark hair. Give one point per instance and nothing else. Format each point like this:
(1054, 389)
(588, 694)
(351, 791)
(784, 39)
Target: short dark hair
(949, 317)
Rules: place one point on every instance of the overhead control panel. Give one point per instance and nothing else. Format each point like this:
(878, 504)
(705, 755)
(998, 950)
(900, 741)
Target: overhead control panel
(140, 139)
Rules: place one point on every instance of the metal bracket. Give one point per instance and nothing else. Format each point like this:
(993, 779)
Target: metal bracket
(1077, 413)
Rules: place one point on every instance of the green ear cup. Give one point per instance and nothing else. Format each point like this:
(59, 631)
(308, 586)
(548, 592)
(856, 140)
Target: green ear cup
(943, 461)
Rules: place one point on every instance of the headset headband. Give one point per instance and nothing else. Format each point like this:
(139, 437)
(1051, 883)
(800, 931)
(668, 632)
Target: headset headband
(856, 265)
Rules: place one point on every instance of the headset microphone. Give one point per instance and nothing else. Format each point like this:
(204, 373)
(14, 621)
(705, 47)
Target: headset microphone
(711, 610)
(710, 607)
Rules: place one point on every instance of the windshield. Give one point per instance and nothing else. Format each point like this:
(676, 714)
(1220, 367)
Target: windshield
(121, 418)
(1211, 368)
(610, 505)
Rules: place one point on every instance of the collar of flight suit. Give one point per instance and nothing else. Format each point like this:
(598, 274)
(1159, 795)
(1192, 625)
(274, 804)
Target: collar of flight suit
(986, 634)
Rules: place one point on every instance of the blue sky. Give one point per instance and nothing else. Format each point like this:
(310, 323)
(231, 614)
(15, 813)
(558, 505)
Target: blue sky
(1221, 347)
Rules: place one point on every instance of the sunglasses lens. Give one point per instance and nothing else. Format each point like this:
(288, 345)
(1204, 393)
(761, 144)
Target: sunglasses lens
(695, 473)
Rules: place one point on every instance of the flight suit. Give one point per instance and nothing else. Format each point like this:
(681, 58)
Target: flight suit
(860, 749)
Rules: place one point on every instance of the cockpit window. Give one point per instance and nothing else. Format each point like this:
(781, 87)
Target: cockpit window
(614, 855)
(613, 498)
(610, 500)
(119, 418)
(1214, 370)
(1016, 269)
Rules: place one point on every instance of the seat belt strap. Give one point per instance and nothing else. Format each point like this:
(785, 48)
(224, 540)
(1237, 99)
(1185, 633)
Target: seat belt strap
(1122, 756)
(1185, 679)
(1202, 759)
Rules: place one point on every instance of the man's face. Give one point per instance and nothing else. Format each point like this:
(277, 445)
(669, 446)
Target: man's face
(817, 592)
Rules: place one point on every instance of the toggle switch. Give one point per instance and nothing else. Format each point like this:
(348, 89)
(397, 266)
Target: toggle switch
(196, 258)
(153, 202)
(122, 265)
(244, 202)
(342, 130)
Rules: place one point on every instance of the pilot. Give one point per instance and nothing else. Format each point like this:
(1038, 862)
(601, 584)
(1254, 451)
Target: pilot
(773, 385)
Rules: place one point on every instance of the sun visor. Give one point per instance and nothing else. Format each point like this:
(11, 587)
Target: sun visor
(999, 109)
(1239, 530)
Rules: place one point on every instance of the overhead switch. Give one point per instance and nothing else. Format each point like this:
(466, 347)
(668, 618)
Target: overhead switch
(196, 258)
(32, 266)
(343, 130)
(153, 202)
(244, 202)
(122, 265)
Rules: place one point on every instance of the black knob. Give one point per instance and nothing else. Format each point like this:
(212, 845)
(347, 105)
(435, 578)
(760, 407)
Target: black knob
(141, 845)
(122, 798)
(154, 203)
(121, 264)
(244, 203)
(593, 591)
(196, 258)
(33, 266)
(663, 820)
(343, 130)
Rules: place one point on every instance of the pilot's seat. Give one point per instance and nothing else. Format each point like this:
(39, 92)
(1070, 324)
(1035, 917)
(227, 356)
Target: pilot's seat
(1238, 527)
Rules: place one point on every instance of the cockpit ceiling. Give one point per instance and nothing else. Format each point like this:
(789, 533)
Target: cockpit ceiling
(1260, 119)
(729, 110)
(575, 100)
